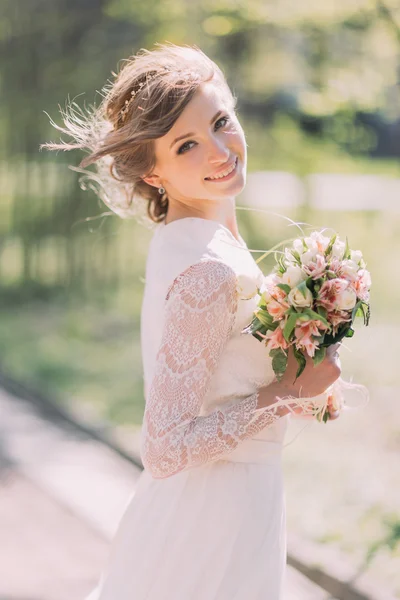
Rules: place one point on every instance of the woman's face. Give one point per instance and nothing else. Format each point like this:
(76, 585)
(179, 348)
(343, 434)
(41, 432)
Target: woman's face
(203, 156)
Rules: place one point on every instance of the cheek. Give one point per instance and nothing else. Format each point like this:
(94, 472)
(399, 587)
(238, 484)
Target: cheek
(237, 138)
(185, 170)
(191, 163)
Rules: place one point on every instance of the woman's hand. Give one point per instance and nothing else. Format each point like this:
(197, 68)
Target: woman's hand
(314, 380)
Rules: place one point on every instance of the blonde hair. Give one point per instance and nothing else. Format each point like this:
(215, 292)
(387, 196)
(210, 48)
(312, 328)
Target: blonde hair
(148, 95)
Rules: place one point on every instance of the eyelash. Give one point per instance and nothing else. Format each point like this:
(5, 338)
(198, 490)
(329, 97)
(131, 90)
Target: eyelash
(182, 149)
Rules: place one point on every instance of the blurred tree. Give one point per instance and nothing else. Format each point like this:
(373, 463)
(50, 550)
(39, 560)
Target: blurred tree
(332, 66)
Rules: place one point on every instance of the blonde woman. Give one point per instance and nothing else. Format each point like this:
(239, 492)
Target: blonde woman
(207, 520)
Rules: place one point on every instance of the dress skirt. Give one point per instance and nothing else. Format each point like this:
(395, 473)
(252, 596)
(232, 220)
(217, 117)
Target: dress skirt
(213, 532)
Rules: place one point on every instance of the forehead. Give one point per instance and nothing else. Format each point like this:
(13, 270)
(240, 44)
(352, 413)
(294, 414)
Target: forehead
(208, 96)
(206, 102)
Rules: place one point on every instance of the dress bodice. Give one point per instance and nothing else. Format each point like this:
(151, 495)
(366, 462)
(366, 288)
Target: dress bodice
(245, 364)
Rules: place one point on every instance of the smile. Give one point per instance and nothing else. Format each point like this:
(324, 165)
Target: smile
(224, 175)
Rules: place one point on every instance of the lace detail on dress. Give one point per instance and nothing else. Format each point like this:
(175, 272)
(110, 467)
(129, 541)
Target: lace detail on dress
(200, 314)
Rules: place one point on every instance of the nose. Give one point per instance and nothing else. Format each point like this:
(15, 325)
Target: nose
(218, 153)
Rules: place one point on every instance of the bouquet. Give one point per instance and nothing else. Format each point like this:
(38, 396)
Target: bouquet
(310, 301)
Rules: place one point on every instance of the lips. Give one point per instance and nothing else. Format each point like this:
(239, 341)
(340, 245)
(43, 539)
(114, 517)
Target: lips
(223, 172)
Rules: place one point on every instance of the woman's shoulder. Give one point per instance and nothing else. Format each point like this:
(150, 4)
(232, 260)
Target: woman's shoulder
(181, 244)
(191, 238)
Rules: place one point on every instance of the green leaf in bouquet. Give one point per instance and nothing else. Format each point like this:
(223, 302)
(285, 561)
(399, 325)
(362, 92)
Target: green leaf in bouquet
(321, 310)
(334, 339)
(320, 339)
(303, 288)
(279, 362)
(331, 275)
(325, 418)
(289, 326)
(363, 310)
(254, 326)
(330, 245)
(314, 315)
(284, 287)
(281, 263)
(349, 332)
(301, 361)
(366, 308)
(355, 310)
(296, 256)
(347, 253)
(310, 284)
(265, 318)
(301, 316)
(319, 355)
(261, 301)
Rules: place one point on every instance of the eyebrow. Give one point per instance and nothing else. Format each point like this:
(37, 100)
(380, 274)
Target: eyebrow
(186, 135)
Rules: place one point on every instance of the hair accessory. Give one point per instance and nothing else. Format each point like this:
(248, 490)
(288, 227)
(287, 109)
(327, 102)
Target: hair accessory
(161, 190)
(125, 110)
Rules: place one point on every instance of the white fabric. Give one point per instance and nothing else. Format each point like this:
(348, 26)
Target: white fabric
(207, 520)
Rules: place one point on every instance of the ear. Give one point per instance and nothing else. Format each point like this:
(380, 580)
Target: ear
(153, 180)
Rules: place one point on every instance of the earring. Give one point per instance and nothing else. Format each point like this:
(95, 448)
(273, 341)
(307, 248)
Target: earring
(161, 190)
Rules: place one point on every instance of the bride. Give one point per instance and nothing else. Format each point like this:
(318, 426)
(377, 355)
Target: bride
(207, 520)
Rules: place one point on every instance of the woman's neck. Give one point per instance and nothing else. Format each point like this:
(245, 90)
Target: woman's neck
(223, 215)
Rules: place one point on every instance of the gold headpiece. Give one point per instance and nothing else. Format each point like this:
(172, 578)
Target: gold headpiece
(125, 109)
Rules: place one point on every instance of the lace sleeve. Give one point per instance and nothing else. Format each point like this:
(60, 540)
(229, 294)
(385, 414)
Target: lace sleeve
(200, 313)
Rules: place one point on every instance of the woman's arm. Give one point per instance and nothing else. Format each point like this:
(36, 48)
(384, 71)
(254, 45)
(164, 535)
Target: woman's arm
(200, 313)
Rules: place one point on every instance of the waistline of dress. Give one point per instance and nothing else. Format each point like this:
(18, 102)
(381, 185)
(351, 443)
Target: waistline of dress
(255, 451)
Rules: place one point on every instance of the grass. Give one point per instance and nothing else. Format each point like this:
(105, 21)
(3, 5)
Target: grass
(89, 349)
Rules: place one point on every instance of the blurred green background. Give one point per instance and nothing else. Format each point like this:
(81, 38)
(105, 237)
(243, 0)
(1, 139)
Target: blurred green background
(319, 99)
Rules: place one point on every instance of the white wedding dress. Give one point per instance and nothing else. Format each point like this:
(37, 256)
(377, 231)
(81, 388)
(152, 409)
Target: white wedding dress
(207, 520)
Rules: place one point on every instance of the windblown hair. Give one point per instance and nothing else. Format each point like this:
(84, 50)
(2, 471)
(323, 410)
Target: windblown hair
(142, 104)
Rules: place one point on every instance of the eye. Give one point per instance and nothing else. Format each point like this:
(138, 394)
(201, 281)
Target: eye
(185, 147)
(225, 119)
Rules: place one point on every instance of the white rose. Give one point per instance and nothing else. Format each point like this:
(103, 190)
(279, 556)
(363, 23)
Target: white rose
(338, 249)
(246, 287)
(347, 299)
(349, 269)
(356, 255)
(296, 298)
(293, 276)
